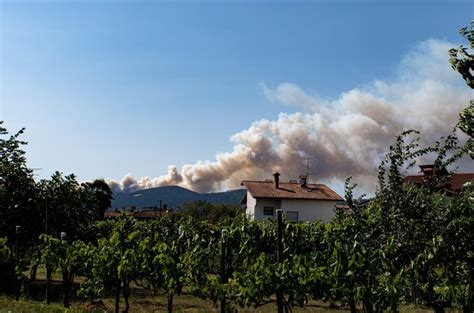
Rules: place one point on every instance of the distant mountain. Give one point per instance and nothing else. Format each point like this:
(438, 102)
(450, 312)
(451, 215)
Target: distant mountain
(172, 196)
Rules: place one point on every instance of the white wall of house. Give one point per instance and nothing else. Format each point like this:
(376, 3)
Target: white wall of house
(263, 203)
(251, 202)
(308, 210)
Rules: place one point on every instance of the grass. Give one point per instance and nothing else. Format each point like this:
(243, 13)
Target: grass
(183, 303)
(8, 305)
(143, 301)
(55, 275)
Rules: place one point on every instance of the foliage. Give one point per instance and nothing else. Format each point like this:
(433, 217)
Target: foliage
(23, 201)
(445, 268)
(114, 261)
(212, 213)
(4, 251)
(18, 194)
(462, 61)
(407, 243)
(7, 268)
(72, 206)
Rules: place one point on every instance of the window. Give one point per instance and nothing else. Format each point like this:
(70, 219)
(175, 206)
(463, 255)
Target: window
(292, 216)
(268, 210)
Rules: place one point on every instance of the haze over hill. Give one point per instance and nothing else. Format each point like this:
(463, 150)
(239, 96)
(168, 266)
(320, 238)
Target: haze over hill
(173, 196)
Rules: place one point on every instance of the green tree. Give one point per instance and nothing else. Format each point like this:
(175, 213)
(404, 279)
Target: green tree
(72, 206)
(462, 61)
(212, 213)
(101, 197)
(445, 268)
(18, 193)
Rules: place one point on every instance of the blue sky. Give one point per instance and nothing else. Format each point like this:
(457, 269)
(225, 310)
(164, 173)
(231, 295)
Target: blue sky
(107, 88)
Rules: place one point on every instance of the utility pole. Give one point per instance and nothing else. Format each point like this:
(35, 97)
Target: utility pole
(46, 216)
(46, 203)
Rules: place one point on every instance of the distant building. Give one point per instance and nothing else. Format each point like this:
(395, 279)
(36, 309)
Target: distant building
(299, 201)
(141, 215)
(453, 185)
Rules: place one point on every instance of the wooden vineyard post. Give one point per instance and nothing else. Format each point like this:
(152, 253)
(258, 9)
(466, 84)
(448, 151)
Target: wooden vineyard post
(279, 292)
(224, 268)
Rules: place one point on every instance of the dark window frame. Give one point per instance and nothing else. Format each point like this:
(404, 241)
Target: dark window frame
(268, 208)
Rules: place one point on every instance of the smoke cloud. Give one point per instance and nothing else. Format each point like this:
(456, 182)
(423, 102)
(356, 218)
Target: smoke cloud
(348, 135)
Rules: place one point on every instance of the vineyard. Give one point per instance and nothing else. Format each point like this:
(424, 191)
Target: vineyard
(374, 257)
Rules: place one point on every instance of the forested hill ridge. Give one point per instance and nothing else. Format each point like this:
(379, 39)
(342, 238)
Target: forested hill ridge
(172, 196)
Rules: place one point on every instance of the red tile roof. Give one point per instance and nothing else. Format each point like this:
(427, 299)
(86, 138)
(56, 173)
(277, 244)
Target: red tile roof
(290, 190)
(142, 214)
(456, 183)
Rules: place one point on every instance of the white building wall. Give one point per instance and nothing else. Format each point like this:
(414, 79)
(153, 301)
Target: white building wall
(308, 210)
(251, 202)
(262, 203)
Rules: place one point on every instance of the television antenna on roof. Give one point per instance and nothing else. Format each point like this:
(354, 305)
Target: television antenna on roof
(308, 164)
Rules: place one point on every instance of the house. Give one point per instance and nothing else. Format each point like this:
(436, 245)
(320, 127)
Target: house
(299, 201)
(453, 185)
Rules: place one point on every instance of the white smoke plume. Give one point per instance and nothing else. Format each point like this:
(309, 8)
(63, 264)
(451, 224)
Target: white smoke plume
(348, 135)
(128, 183)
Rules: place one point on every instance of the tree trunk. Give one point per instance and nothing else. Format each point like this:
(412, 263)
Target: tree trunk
(17, 288)
(352, 306)
(125, 296)
(34, 270)
(368, 308)
(438, 308)
(170, 302)
(279, 296)
(469, 307)
(378, 309)
(17, 282)
(290, 300)
(367, 302)
(286, 306)
(48, 285)
(66, 289)
(117, 295)
(223, 305)
(413, 291)
(394, 308)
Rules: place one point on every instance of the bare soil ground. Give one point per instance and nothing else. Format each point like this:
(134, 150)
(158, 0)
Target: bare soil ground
(183, 303)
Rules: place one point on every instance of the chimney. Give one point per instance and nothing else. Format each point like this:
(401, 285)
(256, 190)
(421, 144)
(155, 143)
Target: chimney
(427, 170)
(276, 179)
(303, 180)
